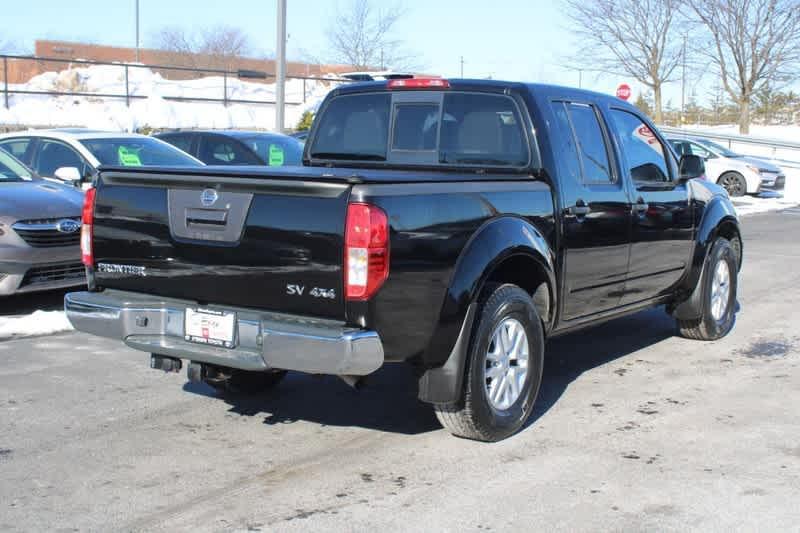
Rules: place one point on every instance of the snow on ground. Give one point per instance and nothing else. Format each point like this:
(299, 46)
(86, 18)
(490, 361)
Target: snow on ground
(749, 205)
(154, 110)
(37, 323)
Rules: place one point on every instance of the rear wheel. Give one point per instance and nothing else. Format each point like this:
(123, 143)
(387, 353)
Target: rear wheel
(504, 369)
(719, 285)
(234, 381)
(734, 183)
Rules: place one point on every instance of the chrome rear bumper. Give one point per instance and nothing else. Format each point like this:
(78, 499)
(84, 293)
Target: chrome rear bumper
(263, 340)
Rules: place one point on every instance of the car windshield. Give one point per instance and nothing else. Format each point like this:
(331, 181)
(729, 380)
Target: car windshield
(721, 150)
(11, 169)
(137, 152)
(276, 151)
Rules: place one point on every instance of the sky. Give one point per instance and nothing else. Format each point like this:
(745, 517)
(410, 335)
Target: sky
(520, 40)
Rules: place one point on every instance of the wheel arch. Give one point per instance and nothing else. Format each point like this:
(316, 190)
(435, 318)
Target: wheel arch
(506, 249)
(719, 220)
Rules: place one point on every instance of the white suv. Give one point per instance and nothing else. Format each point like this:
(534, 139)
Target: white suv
(72, 155)
(739, 174)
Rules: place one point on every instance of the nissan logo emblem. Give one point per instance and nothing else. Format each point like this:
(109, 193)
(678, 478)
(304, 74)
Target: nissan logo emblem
(68, 226)
(208, 197)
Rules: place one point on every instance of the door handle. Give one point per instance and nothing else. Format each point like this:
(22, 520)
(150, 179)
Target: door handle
(580, 209)
(641, 206)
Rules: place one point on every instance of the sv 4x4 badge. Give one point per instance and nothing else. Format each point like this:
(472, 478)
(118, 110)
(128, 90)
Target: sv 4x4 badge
(316, 292)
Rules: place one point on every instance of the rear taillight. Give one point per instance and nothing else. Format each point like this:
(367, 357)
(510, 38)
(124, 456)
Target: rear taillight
(366, 251)
(87, 222)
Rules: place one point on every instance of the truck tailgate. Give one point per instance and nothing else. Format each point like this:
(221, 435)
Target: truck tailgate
(266, 243)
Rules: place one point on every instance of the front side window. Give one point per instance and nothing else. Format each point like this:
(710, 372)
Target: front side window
(11, 169)
(699, 150)
(53, 155)
(643, 150)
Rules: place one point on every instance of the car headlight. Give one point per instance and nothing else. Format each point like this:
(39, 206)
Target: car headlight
(754, 169)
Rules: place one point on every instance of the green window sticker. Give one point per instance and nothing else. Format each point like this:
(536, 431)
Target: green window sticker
(275, 155)
(128, 158)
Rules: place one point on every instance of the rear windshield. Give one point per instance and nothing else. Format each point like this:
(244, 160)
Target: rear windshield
(137, 151)
(451, 128)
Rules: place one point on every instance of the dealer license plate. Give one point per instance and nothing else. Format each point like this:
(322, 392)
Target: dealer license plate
(206, 326)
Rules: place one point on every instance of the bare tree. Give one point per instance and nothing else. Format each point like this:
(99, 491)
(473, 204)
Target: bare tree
(212, 47)
(629, 37)
(361, 35)
(753, 43)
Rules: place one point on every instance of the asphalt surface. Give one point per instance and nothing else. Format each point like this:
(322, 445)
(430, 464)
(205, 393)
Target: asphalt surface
(635, 429)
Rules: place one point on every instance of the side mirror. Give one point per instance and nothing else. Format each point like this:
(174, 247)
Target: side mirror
(70, 175)
(691, 166)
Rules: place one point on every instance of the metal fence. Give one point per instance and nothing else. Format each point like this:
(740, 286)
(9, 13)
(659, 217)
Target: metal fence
(785, 152)
(224, 98)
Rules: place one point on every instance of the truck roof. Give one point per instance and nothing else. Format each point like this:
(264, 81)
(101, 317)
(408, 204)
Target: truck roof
(460, 84)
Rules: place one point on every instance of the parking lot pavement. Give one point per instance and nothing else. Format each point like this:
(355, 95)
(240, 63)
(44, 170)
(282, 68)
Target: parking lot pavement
(635, 429)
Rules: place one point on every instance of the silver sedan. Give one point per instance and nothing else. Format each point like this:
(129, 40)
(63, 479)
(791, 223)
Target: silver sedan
(39, 231)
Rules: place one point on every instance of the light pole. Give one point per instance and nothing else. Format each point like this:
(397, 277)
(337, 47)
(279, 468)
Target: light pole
(280, 67)
(137, 30)
(683, 83)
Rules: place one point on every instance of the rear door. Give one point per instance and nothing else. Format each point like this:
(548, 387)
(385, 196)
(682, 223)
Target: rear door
(262, 243)
(663, 227)
(596, 220)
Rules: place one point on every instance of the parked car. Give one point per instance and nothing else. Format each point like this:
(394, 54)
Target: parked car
(301, 135)
(236, 147)
(451, 225)
(39, 231)
(380, 75)
(738, 174)
(72, 155)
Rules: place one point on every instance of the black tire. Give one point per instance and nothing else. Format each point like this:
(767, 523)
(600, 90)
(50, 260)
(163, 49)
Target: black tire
(734, 183)
(242, 382)
(708, 327)
(474, 416)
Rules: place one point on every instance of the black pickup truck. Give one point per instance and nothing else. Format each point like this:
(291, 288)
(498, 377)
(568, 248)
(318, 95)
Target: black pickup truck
(452, 225)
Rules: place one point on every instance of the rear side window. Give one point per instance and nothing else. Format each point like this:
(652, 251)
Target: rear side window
(219, 150)
(586, 145)
(591, 144)
(182, 142)
(17, 147)
(453, 128)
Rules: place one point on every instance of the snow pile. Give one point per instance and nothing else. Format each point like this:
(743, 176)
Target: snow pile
(37, 323)
(154, 110)
(749, 205)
